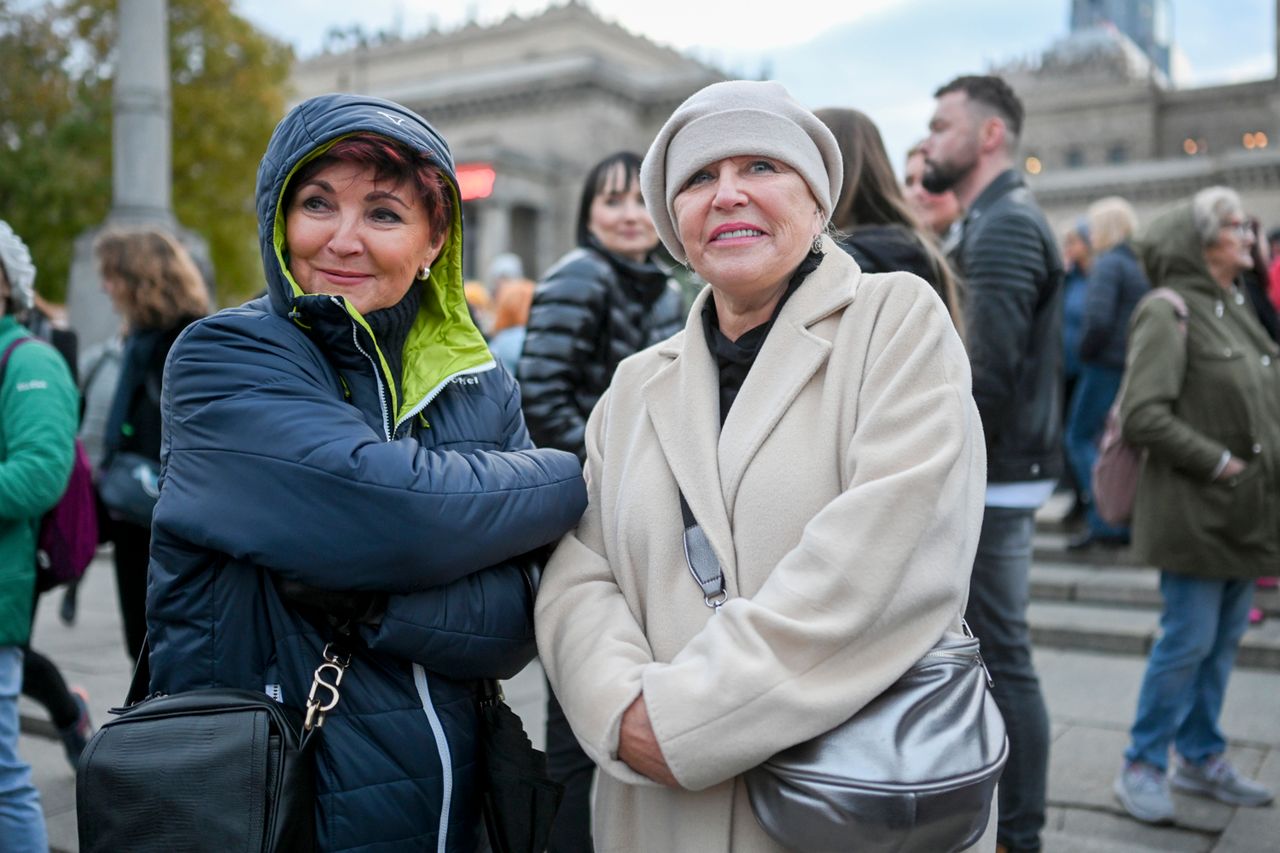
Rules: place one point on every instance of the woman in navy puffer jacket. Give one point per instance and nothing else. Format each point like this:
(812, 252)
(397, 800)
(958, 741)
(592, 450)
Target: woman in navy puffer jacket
(343, 453)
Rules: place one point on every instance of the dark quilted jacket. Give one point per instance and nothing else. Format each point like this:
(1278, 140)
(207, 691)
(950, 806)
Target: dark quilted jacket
(590, 311)
(1008, 258)
(1116, 284)
(290, 456)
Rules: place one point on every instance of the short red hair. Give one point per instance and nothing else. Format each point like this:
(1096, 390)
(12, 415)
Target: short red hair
(391, 161)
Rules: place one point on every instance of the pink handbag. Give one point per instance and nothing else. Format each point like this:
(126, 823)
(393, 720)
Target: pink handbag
(1116, 469)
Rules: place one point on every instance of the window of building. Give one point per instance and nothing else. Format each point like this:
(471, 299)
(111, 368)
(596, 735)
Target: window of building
(1075, 157)
(1118, 153)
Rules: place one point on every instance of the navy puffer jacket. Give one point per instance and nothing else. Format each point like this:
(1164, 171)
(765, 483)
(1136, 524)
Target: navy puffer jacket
(290, 454)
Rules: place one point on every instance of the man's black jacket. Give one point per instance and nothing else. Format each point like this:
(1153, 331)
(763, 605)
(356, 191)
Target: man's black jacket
(1012, 273)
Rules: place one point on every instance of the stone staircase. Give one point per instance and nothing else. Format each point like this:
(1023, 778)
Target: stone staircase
(1103, 600)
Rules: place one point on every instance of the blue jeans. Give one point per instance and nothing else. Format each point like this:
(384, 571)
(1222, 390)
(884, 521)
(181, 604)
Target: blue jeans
(998, 594)
(1094, 393)
(21, 821)
(1186, 678)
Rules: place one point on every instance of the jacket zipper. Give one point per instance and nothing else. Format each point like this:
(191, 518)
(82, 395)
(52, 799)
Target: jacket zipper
(435, 392)
(446, 759)
(377, 375)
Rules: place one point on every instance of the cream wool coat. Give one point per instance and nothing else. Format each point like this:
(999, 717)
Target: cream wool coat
(843, 499)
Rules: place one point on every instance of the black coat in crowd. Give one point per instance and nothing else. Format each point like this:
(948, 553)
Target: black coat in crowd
(590, 311)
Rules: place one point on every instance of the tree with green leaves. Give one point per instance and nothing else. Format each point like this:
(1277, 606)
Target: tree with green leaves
(227, 86)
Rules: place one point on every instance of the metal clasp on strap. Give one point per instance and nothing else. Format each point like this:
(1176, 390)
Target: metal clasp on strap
(333, 668)
(968, 632)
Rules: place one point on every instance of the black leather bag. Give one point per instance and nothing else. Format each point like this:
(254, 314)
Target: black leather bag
(518, 799)
(207, 770)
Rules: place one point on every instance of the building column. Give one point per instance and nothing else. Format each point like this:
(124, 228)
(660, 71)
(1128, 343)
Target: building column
(493, 228)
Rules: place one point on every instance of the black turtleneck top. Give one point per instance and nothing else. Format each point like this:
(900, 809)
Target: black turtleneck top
(734, 358)
(391, 327)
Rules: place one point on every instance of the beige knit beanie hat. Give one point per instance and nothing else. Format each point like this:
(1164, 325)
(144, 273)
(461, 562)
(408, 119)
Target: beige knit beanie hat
(734, 119)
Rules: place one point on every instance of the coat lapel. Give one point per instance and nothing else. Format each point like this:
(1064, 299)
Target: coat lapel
(791, 355)
(683, 403)
(681, 398)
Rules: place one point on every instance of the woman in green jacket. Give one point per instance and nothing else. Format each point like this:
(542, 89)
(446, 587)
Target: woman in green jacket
(38, 419)
(1202, 397)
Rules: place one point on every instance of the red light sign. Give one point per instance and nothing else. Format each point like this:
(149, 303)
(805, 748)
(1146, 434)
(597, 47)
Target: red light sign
(475, 180)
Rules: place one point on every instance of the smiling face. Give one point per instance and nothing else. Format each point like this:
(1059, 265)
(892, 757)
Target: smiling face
(746, 223)
(936, 211)
(618, 218)
(351, 235)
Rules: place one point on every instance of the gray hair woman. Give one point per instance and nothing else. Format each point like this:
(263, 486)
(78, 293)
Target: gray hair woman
(1200, 396)
(820, 425)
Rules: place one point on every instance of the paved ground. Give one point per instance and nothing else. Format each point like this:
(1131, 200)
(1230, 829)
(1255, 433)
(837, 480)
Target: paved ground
(1091, 697)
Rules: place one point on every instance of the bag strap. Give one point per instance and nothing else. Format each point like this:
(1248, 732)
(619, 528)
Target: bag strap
(8, 351)
(1174, 298)
(328, 675)
(701, 558)
(707, 573)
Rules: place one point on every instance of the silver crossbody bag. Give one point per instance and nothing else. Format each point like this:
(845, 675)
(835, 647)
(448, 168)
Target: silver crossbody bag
(914, 771)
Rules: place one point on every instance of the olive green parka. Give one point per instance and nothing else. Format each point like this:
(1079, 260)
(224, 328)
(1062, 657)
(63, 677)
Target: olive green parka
(1188, 398)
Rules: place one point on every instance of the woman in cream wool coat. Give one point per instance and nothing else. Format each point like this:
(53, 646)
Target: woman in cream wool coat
(821, 426)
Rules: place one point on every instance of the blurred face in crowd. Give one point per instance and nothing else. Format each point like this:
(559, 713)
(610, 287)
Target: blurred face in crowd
(351, 235)
(746, 223)
(936, 211)
(618, 217)
(952, 148)
(1231, 253)
(1075, 250)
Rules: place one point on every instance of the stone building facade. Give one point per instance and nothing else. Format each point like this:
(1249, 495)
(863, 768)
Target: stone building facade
(1102, 119)
(528, 106)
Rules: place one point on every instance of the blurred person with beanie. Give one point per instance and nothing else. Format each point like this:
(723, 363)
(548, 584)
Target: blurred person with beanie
(38, 417)
(67, 707)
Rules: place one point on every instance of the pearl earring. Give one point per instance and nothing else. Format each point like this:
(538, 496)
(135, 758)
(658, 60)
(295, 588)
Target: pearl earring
(424, 272)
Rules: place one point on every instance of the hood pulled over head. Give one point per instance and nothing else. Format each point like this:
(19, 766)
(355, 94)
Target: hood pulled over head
(444, 341)
(1170, 248)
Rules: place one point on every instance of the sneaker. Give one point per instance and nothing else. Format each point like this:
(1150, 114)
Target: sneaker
(76, 736)
(1218, 779)
(1143, 790)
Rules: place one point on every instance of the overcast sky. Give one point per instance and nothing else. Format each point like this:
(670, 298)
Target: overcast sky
(884, 57)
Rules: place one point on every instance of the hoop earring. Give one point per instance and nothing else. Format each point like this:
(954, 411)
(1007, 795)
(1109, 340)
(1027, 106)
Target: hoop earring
(424, 272)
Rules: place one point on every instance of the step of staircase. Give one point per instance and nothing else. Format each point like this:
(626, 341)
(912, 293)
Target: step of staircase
(1131, 630)
(1124, 585)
